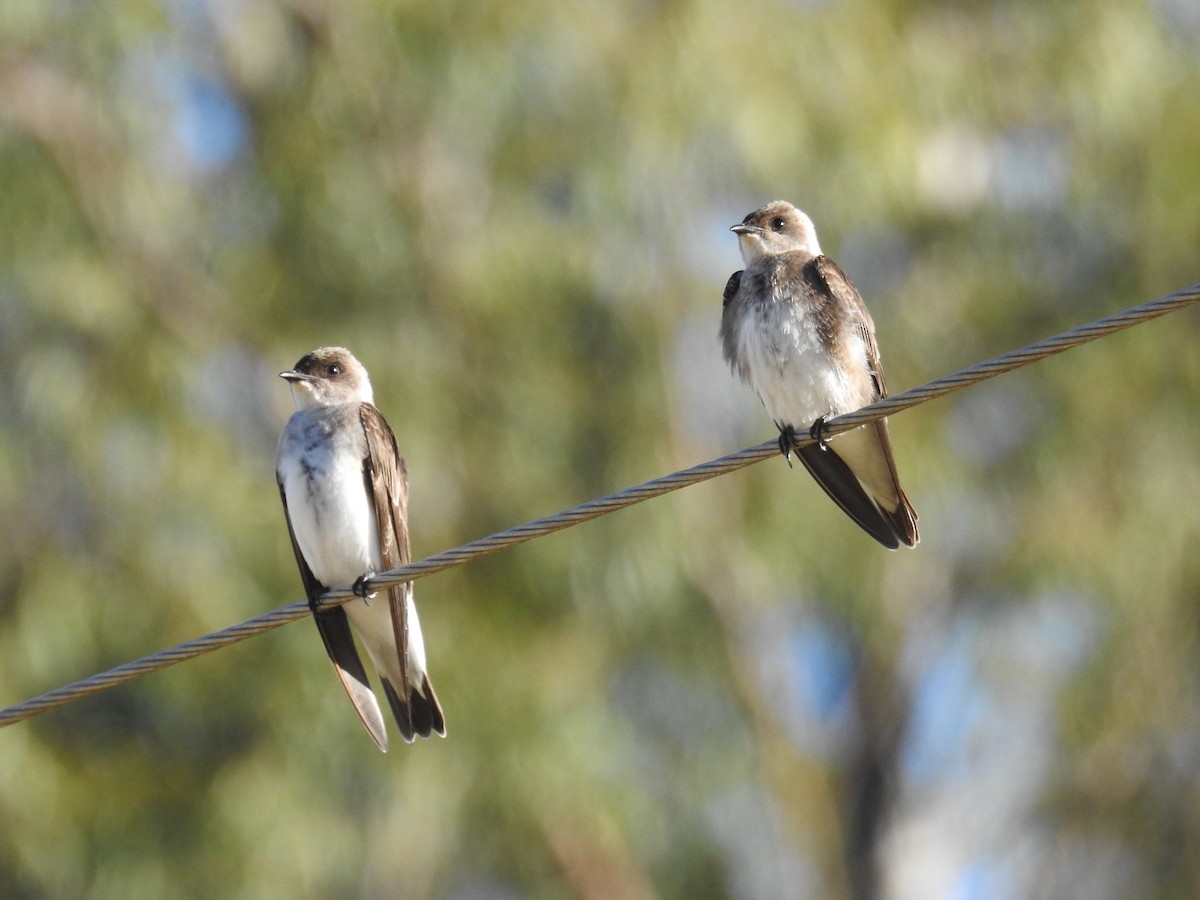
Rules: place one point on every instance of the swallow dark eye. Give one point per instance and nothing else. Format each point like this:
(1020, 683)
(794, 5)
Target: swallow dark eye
(777, 223)
(334, 370)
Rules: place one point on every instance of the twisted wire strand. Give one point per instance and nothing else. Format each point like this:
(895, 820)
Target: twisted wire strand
(601, 506)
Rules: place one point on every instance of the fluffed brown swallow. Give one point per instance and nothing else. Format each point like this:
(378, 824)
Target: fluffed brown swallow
(796, 330)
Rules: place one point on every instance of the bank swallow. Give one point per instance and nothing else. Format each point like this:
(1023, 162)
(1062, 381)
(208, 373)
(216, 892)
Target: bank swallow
(345, 494)
(796, 330)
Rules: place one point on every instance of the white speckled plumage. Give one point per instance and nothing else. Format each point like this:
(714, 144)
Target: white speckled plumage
(782, 357)
(796, 330)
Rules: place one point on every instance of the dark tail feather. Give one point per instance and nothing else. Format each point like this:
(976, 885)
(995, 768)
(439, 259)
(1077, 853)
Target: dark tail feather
(427, 711)
(904, 521)
(334, 627)
(835, 478)
(421, 715)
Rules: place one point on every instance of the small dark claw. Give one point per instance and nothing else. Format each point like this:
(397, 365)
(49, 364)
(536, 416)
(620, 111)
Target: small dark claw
(817, 433)
(787, 440)
(361, 587)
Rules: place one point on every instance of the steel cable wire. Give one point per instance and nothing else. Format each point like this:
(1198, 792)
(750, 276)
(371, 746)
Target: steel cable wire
(601, 506)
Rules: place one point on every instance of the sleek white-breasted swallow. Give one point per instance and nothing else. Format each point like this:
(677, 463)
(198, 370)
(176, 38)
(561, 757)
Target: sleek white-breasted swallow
(345, 494)
(796, 330)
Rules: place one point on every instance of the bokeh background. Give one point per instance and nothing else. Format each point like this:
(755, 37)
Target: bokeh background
(515, 213)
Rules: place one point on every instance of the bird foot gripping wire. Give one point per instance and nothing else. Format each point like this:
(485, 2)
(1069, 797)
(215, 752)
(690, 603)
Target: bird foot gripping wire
(787, 440)
(362, 585)
(817, 433)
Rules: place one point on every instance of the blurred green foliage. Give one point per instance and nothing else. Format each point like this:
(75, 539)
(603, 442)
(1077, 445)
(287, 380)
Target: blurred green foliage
(515, 215)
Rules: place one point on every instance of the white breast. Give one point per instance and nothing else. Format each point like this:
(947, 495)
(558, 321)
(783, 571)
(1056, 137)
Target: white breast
(333, 519)
(790, 369)
(330, 512)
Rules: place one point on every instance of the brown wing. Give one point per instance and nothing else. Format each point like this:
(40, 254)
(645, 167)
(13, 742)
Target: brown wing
(731, 288)
(417, 711)
(903, 517)
(334, 627)
(387, 481)
(731, 312)
(839, 286)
